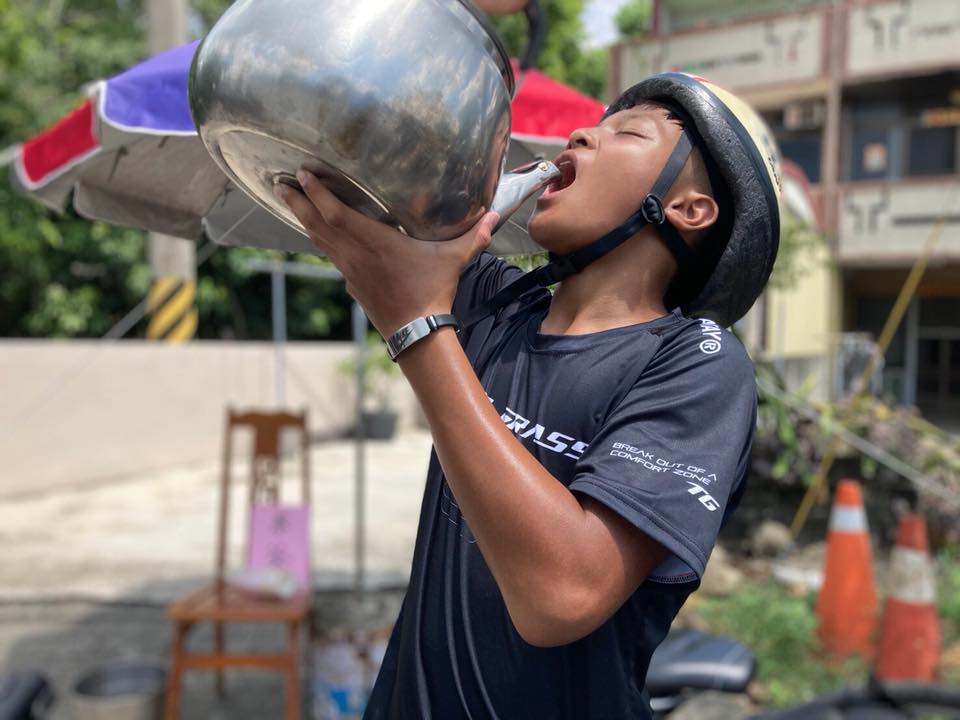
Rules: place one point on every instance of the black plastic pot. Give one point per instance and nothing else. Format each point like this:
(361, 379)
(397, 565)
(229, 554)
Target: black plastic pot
(120, 691)
(24, 696)
(380, 425)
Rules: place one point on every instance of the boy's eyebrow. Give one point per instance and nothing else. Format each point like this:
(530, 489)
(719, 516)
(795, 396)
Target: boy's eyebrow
(636, 112)
(634, 115)
(631, 112)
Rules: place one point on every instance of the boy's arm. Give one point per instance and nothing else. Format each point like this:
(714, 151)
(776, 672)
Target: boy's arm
(564, 565)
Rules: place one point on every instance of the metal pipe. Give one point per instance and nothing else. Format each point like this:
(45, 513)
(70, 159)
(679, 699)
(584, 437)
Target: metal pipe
(278, 299)
(301, 269)
(359, 550)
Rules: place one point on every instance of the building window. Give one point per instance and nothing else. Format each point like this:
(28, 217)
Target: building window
(872, 150)
(804, 150)
(932, 151)
(872, 314)
(940, 313)
(799, 134)
(904, 128)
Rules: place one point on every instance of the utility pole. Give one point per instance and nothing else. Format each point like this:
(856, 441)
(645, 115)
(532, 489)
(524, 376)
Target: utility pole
(171, 300)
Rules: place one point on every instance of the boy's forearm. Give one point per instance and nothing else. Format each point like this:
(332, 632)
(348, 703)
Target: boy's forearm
(532, 531)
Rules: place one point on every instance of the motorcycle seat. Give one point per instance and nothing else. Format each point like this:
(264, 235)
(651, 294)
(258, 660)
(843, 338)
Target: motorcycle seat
(24, 695)
(691, 659)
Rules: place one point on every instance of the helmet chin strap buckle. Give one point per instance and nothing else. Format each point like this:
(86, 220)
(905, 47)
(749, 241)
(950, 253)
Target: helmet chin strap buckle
(652, 210)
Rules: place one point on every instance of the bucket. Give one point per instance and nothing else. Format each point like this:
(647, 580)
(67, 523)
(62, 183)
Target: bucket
(123, 691)
(339, 680)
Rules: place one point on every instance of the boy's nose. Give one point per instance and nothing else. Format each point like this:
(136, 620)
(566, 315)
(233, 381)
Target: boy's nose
(582, 137)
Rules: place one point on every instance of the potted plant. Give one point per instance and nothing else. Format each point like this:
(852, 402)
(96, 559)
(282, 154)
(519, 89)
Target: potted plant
(377, 415)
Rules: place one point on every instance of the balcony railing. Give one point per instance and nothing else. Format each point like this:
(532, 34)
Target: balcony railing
(874, 38)
(756, 53)
(890, 223)
(896, 37)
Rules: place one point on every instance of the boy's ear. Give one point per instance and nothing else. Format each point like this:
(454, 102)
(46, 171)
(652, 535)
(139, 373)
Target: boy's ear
(691, 212)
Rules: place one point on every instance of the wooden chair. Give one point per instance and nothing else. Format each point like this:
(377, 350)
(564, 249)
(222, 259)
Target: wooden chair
(219, 602)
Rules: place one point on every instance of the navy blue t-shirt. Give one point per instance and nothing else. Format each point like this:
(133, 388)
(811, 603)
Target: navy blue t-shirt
(654, 421)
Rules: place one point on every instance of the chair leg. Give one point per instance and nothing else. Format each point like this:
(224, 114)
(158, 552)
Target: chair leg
(218, 648)
(171, 710)
(293, 672)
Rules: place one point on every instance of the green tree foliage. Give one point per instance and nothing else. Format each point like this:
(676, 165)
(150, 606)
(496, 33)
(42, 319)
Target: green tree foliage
(63, 276)
(563, 57)
(234, 302)
(633, 19)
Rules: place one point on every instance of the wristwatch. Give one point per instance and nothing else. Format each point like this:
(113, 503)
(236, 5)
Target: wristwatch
(417, 330)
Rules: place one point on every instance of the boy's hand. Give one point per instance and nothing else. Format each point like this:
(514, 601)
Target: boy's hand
(394, 277)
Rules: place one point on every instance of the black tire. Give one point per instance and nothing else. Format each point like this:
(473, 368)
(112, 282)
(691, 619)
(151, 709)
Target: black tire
(876, 701)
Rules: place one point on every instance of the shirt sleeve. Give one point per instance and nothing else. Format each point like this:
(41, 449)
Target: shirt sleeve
(673, 455)
(481, 280)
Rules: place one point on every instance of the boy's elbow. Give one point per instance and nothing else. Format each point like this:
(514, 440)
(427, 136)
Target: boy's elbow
(548, 636)
(558, 618)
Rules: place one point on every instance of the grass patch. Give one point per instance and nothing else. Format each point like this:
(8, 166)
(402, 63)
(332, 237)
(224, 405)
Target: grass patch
(780, 629)
(948, 605)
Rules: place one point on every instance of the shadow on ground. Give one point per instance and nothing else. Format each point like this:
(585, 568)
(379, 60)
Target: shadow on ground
(65, 638)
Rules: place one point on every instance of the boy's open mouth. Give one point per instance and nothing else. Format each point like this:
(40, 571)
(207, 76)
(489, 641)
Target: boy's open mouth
(569, 170)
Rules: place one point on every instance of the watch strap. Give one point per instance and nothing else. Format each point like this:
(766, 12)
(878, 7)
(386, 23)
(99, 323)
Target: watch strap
(417, 330)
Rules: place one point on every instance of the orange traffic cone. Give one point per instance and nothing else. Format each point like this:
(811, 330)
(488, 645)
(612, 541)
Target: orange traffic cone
(910, 634)
(847, 604)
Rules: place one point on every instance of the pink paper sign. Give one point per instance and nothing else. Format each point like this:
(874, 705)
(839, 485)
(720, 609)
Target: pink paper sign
(280, 538)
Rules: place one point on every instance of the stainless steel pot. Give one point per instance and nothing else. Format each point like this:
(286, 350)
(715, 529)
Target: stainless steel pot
(402, 107)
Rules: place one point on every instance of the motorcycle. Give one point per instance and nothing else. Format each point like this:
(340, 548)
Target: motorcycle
(690, 661)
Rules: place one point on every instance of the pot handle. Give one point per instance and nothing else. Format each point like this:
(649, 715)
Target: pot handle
(537, 30)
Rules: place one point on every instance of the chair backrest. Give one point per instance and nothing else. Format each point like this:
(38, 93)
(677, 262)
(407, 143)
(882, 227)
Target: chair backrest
(265, 471)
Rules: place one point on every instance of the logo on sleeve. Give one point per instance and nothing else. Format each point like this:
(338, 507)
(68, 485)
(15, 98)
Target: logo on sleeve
(711, 333)
(706, 499)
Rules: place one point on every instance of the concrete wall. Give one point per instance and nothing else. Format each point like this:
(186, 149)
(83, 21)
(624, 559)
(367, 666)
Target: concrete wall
(890, 223)
(802, 324)
(769, 51)
(79, 411)
(896, 36)
(801, 320)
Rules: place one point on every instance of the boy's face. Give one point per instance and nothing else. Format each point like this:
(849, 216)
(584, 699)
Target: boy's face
(608, 171)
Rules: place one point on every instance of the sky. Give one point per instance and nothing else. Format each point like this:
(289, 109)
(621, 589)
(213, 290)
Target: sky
(598, 21)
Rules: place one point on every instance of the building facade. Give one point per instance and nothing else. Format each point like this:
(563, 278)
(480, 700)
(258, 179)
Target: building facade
(864, 96)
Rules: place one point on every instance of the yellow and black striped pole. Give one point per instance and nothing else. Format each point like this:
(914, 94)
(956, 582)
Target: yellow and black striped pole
(171, 306)
(171, 300)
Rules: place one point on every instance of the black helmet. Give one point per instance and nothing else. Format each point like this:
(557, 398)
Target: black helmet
(739, 148)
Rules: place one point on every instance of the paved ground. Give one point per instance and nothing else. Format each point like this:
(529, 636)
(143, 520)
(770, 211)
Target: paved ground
(64, 640)
(146, 538)
(86, 571)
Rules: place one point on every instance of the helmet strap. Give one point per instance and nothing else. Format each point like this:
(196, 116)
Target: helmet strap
(562, 266)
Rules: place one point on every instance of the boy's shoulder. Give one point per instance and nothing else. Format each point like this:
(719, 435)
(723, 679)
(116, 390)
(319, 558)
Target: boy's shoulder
(701, 345)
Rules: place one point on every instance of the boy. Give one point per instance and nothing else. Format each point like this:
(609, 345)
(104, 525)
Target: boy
(589, 443)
